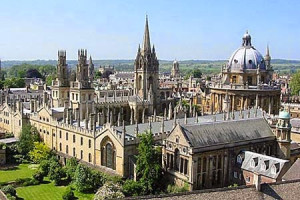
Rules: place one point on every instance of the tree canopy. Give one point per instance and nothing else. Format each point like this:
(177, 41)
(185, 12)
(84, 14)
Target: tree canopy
(295, 83)
(148, 168)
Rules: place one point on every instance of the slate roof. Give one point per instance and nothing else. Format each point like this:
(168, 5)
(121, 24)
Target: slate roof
(168, 124)
(227, 132)
(282, 190)
(264, 164)
(293, 173)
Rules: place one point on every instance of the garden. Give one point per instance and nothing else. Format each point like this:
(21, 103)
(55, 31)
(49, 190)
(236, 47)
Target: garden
(35, 173)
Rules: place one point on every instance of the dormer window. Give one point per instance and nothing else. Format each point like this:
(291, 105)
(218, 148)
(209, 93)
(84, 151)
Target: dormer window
(275, 168)
(254, 162)
(266, 164)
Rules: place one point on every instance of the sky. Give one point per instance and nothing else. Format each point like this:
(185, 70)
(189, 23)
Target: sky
(179, 29)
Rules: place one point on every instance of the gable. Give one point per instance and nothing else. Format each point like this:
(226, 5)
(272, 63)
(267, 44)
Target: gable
(178, 136)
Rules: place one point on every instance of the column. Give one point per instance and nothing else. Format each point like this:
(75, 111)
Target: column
(210, 171)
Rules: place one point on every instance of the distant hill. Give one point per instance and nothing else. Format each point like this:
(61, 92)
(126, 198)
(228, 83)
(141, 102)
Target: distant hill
(206, 66)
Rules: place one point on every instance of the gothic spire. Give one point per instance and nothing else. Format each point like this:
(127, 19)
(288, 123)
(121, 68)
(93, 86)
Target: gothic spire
(146, 42)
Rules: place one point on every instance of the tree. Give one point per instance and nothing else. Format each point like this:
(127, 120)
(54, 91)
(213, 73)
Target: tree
(56, 172)
(39, 152)
(33, 73)
(197, 73)
(295, 83)
(82, 178)
(71, 168)
(28, 136)
(87, 180)
(148, 167)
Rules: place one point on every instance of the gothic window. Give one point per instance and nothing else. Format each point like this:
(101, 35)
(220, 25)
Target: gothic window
(67, 136)
(90, 143)
(108, 155)
(60, 147)
(59, 134)
(74, 152)
(81, 154)
(81, 141)
(74, 138)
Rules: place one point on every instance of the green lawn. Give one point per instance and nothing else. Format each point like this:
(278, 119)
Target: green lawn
(21, 171)
(37, 192)
(47, 191)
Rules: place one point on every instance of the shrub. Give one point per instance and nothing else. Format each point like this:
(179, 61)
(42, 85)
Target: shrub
(131, 188)
(97, 179)
(44, 167)
(38, 176)
(39, 152)
(68, 194)
(11, 197)
(177, 189)
(20, 181)
(30, 181)
(109, 190)
(8, 189)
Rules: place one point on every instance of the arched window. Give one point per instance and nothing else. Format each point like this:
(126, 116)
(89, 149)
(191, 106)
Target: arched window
(67, 149)
(108, 155)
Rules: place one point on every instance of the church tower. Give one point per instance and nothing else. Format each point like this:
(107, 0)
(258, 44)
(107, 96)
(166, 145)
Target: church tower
(61, 86)
(146, 68)
(81, 90)
(283, 135)
(175, 73)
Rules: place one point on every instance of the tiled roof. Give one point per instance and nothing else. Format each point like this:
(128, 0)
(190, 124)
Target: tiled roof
(227, 132)
(293, 173)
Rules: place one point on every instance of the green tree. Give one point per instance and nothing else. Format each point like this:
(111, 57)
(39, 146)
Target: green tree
(148, 166)
(28, 136)
(82, 178)
(70, 168)
(56, 172)
(295, 83)
(197, 73)
(39, 152)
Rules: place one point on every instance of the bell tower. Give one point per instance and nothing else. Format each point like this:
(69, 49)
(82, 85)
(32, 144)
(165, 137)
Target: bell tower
(81, 90)
(61, 85)
(146, 69)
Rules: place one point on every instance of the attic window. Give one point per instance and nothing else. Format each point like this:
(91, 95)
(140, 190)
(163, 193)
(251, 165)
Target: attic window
(275, 168)
(254, 162)
(266, 165)
(177, 139)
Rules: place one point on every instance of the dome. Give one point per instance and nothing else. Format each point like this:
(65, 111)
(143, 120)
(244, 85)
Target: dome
(284, 115)
(246, 57)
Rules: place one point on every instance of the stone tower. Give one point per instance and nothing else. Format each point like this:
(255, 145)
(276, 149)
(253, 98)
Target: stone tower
(283, 135)
(146, 69)
(81, 90)
(175, 73)
(61, 86)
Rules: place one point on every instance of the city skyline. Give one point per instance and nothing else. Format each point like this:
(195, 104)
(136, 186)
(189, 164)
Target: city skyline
(205, 31)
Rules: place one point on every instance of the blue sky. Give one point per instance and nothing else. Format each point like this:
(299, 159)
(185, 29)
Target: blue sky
(181, 29)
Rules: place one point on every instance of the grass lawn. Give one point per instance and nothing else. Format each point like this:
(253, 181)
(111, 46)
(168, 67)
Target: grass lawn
(47, 191)
(21, 171)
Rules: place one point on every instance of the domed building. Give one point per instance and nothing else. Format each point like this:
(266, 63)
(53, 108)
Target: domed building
(246, 81)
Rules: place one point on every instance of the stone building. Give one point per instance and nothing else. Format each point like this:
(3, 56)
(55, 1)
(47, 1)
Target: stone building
(247, 81)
